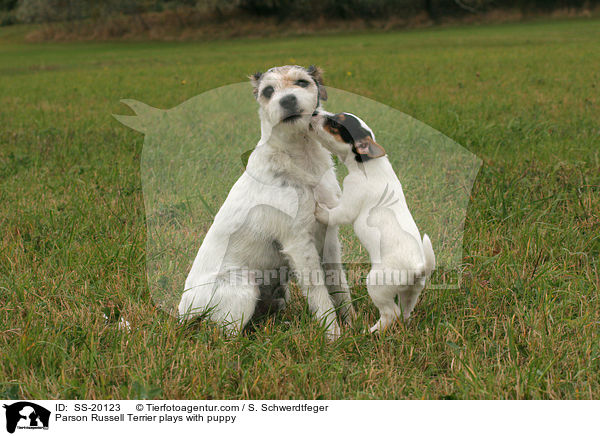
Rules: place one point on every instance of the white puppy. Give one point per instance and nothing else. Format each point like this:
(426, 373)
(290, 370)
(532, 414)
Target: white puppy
(267, 222)
(373, 201)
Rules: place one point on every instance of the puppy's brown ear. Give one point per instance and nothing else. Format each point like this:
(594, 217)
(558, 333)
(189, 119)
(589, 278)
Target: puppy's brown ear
(369, 148)
(317, 74)
(255, 81)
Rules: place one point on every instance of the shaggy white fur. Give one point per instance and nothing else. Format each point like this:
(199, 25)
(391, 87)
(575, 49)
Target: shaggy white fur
(267, 222)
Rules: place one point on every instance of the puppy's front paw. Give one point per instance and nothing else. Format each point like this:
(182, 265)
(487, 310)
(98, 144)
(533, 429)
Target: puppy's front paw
(322, 213)
(327, 198)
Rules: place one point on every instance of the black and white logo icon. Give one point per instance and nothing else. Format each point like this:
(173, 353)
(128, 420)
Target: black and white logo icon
(26, 415)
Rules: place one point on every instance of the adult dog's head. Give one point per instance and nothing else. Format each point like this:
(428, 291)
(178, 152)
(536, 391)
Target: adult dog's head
(288, 95)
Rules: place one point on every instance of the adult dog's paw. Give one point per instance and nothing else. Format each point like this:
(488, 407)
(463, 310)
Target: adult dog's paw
(333, 332)
(375, 328)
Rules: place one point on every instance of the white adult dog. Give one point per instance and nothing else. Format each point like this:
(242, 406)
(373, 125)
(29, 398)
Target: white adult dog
(267, 221)
(374, 202)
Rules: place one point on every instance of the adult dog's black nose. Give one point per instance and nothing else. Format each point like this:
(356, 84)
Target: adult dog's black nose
(289, 102)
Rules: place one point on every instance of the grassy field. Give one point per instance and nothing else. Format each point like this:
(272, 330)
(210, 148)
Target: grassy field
(524, 323)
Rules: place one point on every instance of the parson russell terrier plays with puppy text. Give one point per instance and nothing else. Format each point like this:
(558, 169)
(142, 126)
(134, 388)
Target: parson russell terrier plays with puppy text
(374, 203)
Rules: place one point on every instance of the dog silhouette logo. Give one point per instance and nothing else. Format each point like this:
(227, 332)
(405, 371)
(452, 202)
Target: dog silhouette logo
(26, 415)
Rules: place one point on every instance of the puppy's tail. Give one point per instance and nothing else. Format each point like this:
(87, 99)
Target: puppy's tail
(429, 255)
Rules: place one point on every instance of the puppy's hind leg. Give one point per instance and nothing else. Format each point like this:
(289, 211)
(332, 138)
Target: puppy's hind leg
(408, 299)
(388, 310)
(383, 297)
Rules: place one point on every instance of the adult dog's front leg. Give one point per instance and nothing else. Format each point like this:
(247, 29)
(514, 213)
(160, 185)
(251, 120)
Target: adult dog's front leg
(335, 276)
(305, 262)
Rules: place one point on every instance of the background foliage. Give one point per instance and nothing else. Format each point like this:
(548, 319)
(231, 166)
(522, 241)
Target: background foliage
(40, 11)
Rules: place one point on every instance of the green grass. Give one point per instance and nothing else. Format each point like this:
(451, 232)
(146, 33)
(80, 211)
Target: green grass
(524, 324)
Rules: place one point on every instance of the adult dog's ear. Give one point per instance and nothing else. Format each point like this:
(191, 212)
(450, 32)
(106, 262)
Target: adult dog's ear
(317, 74)
(368, 147)
(255, 81)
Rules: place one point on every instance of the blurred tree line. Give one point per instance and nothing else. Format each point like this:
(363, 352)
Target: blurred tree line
(44, 11)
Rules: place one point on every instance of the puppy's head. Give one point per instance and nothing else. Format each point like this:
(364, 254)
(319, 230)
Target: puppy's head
(343, 133)
(288, 95)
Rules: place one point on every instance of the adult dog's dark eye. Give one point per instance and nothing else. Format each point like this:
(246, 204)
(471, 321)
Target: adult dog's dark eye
(302, 83)
(268, 92)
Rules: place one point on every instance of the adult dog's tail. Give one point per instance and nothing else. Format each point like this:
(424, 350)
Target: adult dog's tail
(429, 255)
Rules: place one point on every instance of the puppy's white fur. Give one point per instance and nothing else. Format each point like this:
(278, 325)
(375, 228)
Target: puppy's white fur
(373, 201)
(267, 221)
